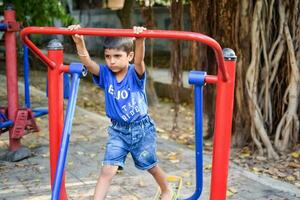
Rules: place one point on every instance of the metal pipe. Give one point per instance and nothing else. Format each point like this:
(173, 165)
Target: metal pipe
(26, 76)
(197, 78)
(77, 70)
(183, 35)
(65, 137)
(11, 76)
(55, 105)
(3, 26)
(39, 112)
(223, 124)
(6, 124)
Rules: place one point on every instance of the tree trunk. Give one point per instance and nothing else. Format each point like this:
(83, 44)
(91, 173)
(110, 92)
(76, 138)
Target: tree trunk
(265, 36)
(176, 57)
(125, 14)
(202, 57)
(147, 14)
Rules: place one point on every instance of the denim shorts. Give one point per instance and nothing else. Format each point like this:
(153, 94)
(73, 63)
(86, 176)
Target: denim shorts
(137, 138)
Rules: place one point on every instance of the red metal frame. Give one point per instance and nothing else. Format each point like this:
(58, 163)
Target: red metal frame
(56, 109)
(24, 121)
(124, 33)
(22, 118)
(11, 76)
(222, 137)
(224, 101)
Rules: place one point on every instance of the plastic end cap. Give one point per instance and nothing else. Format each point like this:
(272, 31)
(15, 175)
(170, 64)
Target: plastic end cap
(9, 6)
(55, 44)
(229, 54)
(197, 78)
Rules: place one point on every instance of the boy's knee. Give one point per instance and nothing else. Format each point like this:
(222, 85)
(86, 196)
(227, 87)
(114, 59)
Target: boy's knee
(108, 172)
(153, 170)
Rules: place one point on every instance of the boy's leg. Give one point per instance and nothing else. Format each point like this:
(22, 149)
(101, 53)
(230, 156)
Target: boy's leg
(161, 179)
(104, 180)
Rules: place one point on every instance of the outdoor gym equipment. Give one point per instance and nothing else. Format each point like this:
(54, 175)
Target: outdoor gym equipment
(223, 114)
(13, 118)
(18, 121)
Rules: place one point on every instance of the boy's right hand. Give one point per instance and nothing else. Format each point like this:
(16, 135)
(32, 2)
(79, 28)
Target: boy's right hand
(78, 39)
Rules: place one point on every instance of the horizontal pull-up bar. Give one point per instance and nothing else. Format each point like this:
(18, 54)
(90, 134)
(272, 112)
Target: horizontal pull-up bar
(182, 35)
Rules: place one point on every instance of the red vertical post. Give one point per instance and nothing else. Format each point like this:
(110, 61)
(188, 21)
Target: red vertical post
(11, 75)
(55, 106)
(223, 125)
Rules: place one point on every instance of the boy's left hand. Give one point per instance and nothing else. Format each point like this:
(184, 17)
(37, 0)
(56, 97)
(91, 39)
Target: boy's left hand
(138, 29)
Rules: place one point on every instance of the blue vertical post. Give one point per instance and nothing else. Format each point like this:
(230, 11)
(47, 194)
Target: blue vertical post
(197, 78)
(77, 69)
(26, 76)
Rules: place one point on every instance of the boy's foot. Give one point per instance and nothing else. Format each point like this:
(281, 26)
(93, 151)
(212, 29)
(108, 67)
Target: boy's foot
(166, 195)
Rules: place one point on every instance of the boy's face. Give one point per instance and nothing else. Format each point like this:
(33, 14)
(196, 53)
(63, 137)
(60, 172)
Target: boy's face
(117, 60)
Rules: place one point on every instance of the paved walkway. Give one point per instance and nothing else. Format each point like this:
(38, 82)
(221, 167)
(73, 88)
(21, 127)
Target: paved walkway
(29, 179)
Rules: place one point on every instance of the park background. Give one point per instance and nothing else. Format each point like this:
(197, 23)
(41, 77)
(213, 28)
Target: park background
(265, 36)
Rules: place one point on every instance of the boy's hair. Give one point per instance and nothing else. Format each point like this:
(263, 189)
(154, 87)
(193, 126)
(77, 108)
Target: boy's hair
(120, 43)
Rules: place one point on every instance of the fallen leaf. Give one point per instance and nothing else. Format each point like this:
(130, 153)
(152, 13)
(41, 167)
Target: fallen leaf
(208, 143)
(261, 158)
(174, 161)
(160, 130)
(165, 136)
(159, 153)
(19, 165)
(208, 167)
(142, 183)
(188, 183)
(38, 119)
(295, 154)
(46, 155)
(281, 174)
(172, 156)
(294, 165)
(186, 174)
(32, 146)
(92, 155)
(256, 170)
(290, 178)
(230, 192)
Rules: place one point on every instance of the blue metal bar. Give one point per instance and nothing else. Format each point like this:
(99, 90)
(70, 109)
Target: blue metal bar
(26, 76)
(3, 26)
(6, 124)
(65, 137)
(198, 79)
(3, 117)
(66, 86)
(40, 112)
(77, 69)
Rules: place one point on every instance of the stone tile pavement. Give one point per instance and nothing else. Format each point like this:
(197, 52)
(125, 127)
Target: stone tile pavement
(29, 179)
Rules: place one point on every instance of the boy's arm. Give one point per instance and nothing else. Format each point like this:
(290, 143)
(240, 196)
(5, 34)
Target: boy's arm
(139, 52)
(83, 53)
(85, 59)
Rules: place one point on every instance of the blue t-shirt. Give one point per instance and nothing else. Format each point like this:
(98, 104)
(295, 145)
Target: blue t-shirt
(125, 101)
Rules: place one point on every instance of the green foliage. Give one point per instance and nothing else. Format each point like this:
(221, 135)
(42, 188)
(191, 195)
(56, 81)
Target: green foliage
(39, 12)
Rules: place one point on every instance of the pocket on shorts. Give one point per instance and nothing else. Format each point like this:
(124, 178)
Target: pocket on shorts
(150, 129)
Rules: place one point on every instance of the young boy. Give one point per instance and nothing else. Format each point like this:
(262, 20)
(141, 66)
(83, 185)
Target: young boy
(132, 130)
